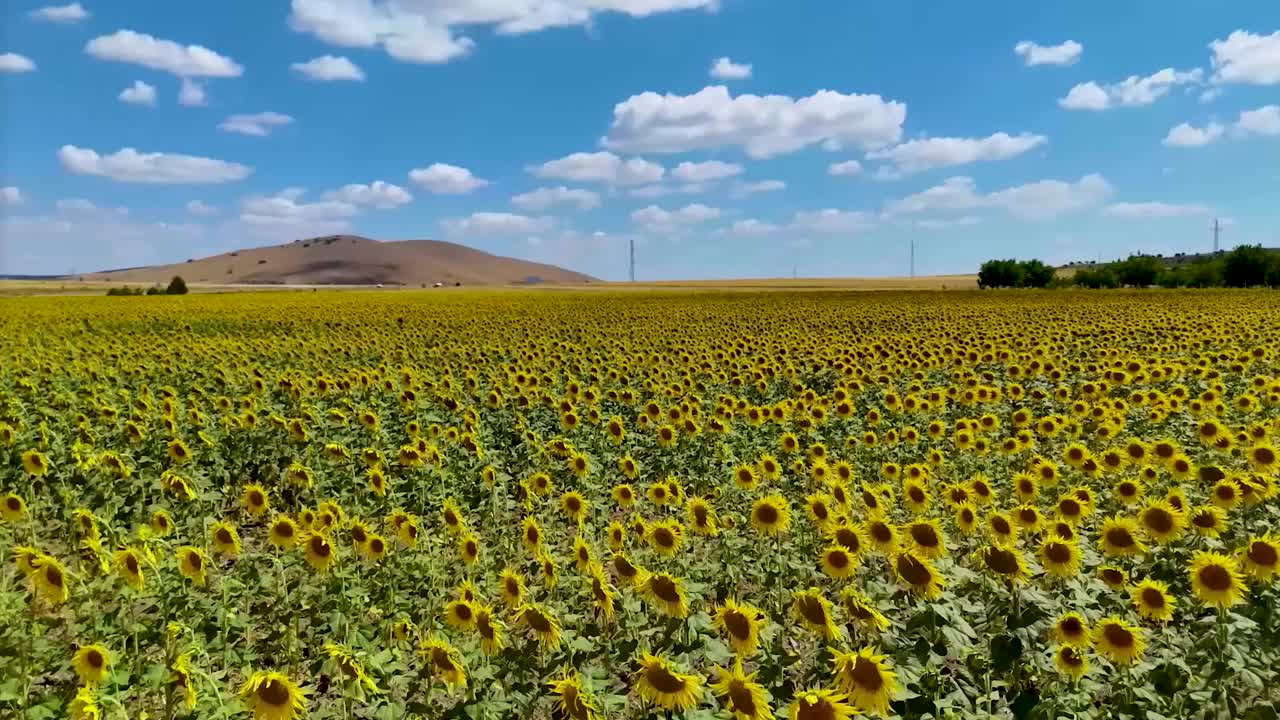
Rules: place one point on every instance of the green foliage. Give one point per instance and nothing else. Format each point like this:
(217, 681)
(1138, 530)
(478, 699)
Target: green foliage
(1139, 270)
(1014, 274)
(177, 286)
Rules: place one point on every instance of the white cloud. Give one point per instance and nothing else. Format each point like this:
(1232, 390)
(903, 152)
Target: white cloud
(139, 93)
(705, 171)
(128, 46)
(940, 224)
(328, 68)
(428, 31)
(497, 223)
(1263, 121)
(848, 167)
(1208, 95)
(1131, 92)
(15, 63)
(444, 179)
(1068, 53)
(545, 197)
(602, 167)
(378, 194)
(759, 186)
(191, 94)
(918, 155)
(830, 220)
(129, 165)
(61, 13)
(286, 208)
(1185, 135)
(78, 205)
(10, 196)
(654, 217)
(753, 227)
(1146, 210)
(1033, 201)
(1246, 58)
(258, 124)
(726, 69)
(86, 240)
(196, 207)
(764, 126)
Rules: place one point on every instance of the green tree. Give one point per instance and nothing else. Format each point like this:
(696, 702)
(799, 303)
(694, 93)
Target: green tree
(1000, 274)
(1096, 278)
(1247, 266)
(177, 286)
(1036, 274)
(1139, 270)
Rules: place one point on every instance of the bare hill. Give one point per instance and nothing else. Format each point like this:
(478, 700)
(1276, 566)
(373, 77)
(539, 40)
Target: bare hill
(352, 260)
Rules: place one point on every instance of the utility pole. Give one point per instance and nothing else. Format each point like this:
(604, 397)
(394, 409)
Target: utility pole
(633, 259)
(913, 258)
(1217, 229)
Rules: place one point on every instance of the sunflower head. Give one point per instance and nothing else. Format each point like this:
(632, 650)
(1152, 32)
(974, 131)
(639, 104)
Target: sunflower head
(272, 696)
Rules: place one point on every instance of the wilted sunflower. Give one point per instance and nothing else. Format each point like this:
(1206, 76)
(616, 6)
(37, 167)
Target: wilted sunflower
(1119, 537)
(862, 611)
(84, 706)
(741, 624)
(1003, 562)
(1260, 557)
(602, 593)
(349, 667)
(1071, 629)
(866, 679)
(129, 564)
(544, 625)
(740, 694)
(1071, 661)
(490, 629)
(181, 680)
(1152, 600)
(572, 698)
(771, 515)
(1118, 641)
(87, 523)
(816, 704)
(666, 537)
(1060, 558)
(225, 539)
(160, 522)
(318, 552)
(272, 696)
(192, 564)
(666, 593)
(812, 610)
(91, 663)
(443, 661)
(918, 575)
(660, 683)
(1216, 579)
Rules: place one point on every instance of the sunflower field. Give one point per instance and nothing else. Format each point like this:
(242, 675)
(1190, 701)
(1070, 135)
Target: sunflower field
(747, 505)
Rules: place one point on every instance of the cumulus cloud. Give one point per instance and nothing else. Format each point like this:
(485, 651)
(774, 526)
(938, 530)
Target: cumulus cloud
(601, 167)
(15, 63)
(1133, 91)
(129, 165)
(764, 126)
(80, 239)
(752, 227)
(329, 68)
(1068, 53)
(444, 179)
(848, 167)
(1147, 210)
(185, 61)
(946, 224)
(705, 171)
(429, 32)
(919, 155)
(1032, 201)
(139, 93)
(545, 197)
(1186, 135)
(656, 218)
(197, 207)
(288, 208)
(497, 223)
(1245, 58)
(726, 69)
(1263, 121)
(72, 13)
(378, 194)
(10, 196)
(759, 186)
(191, 94)
(258, 124)
(831, 220)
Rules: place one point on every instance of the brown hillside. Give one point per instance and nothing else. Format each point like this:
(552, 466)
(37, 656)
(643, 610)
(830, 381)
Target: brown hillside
(351, 260)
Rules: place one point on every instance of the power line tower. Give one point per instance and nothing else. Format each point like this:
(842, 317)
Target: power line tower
(633, 260)
(913, 258)
(1217, 230)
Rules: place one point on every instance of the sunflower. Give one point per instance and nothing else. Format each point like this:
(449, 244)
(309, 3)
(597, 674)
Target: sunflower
(283, 532)
(87, 523)
(623, 495)
(1119, 537)
(1004, 562)
(918, 575)
(601, 592)
(180, 679)
(820, 704)
(490, 629)
(1060, 558)
(882, 536)
(91, 663)
(452, 517)
(866, 679)
(744, 476)
(34, 463)
(574, 506)
(658, 493)
(1070, 509)
(666, 537)
(544, 625)
(966, 518)
(771, 515)
(511, 588)
(862, 611)
(1071, 661)
(407, 531)
(531, 535)
(741, 624)
(460, 615)
(1152, 600)
(1118, 641)
(1127, 492)
(444, 661)
(1161, 522)
(740, 694)
(349, 667)
(160, 522)
(12, 508)
(667, 594)
(225, 539)
(573, 698)
(836, 561)
(84, 706)
(547, 567)
(1260, 557)
(1225, 494)
(318, 552)
(1070, 629)
(702, 517)
(660, 683)
(130, 567)
(812, 610)
(1216, 579)
(192, 564)
(253, 498)
(272, 696)
(1263, 457)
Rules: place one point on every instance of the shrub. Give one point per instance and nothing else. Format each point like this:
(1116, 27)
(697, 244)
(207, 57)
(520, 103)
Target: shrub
(177, 286)
(1139, 270)
(1000, 274)
(1247, 266)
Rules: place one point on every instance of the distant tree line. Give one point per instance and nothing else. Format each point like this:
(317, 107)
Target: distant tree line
(177, 286)
(1245, 266)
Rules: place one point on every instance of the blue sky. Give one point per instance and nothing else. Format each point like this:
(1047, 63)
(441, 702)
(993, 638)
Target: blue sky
(738, 138)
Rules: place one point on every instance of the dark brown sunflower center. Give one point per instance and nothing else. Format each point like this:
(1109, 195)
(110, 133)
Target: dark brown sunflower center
(1071, 627)
(663, 680)
(377, 546)
(224, 536)
(767, 514)
(924, 535)
(913, 571)
(319, 547)
(1215, 577)
(1057, 553)
(838, 559)
(131, 564)
(1001, 560)
(537, 621)
(1069, 507)
(1264, 456)
(881, 532)
(1070, 657)
(664, 588)
(811, 609)
(1158, 520)
(1262, 553)
(866, 675)
(462, 611)
(741, 699)
(283, 530)
(1001, 525)
(738, 625)
(13, 503)
(1120, 537)
(1117, 636)
(819, 510)
(848, 539)
(195, 561)
(94, 659)
(358, 534)
(274, 693)
(1152, 598)
(819, 709)
(664, 537)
